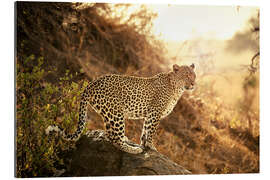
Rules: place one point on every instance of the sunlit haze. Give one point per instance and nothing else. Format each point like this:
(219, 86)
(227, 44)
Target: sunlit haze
(178, 23)
(201, 35)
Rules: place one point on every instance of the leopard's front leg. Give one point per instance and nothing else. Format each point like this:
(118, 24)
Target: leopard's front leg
(148, 133)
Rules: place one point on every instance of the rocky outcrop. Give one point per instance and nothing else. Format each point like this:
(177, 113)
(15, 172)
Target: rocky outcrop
(97, 157)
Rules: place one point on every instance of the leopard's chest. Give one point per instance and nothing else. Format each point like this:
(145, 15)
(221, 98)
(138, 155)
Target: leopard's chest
(170, 106)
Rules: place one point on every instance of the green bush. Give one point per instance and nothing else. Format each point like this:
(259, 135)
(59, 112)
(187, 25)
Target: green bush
(38, 105)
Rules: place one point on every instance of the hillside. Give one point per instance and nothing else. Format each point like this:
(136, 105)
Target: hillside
(62, 46)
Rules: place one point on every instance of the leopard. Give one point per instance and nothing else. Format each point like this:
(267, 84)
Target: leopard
(117, 98)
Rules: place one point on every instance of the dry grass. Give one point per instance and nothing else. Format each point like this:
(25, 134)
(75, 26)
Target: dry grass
(204, 133)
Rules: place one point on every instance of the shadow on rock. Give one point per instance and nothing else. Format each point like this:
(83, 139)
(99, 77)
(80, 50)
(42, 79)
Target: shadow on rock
(93, 157)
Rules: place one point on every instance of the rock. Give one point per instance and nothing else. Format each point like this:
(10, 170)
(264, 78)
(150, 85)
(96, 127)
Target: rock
(97, 157)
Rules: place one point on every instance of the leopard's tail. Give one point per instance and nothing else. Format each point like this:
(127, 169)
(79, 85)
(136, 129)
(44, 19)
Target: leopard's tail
(82, 120)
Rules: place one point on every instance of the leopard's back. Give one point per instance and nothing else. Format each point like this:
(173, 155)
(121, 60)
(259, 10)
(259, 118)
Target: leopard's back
(118, 97)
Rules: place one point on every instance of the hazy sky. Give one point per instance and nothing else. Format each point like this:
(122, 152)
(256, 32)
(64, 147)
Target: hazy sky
(201, 35)
(178, 22)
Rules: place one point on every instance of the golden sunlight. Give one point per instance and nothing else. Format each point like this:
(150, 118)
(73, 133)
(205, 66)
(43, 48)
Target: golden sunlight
(179, 23)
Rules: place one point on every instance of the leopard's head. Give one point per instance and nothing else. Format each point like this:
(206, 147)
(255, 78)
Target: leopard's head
(185, 76)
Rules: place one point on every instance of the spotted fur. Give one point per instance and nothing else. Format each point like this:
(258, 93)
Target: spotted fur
(118, 97)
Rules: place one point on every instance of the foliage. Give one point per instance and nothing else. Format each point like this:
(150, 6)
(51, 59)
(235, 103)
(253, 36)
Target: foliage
(38, 104)
(81, 39)
(89, 37)
(77, 41)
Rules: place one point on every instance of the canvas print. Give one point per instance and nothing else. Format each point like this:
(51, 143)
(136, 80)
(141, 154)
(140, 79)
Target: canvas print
(108, 89)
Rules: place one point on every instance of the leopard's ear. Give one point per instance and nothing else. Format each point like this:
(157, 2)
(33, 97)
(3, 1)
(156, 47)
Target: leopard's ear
(192, 66)
(176, 68)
